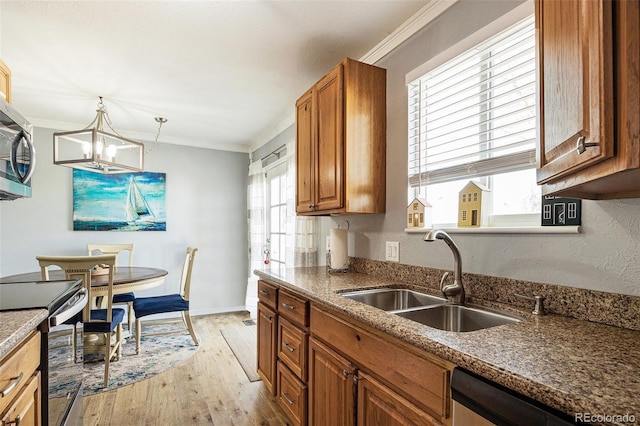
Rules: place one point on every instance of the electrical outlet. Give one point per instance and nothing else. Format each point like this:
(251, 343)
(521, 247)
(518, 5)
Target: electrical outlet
(392, 253)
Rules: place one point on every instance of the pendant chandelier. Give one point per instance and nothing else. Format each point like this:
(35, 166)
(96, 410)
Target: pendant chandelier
(95, 150)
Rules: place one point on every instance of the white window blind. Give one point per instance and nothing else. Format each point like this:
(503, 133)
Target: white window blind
(475, 115)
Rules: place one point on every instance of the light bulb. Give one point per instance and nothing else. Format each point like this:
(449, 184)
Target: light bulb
(99, 147)
(86, 149)
(111, 152)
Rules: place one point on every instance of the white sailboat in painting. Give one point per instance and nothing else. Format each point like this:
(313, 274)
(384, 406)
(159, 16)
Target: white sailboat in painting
(137, 209)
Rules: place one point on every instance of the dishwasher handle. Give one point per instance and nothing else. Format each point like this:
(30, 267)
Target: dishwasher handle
(500, 405)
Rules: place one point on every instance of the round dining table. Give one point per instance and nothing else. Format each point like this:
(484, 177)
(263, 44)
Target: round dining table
(125, 279)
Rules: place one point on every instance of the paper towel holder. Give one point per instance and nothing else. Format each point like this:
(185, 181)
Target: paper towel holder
(344, 263)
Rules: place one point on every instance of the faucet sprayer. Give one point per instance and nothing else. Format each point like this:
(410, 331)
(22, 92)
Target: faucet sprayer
(453, 292)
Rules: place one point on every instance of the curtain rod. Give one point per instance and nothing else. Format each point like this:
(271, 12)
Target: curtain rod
(275, 152)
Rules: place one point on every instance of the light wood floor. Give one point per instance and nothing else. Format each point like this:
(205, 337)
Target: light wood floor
(208, 388)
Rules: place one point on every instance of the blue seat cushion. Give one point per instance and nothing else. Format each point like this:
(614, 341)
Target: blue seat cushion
(159, 304)
(117, 315)
(124, 297)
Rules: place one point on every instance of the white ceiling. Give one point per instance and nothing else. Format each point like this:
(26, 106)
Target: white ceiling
(225, 74)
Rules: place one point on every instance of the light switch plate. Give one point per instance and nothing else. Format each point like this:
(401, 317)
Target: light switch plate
(392, 252)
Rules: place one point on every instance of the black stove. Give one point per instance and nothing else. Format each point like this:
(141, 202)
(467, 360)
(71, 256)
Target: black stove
(49, 295)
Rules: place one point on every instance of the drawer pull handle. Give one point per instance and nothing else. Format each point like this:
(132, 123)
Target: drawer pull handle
(284, 395)
(6, 391)
(264, 293)
(15, 422)
(288, 306)
(286, 345)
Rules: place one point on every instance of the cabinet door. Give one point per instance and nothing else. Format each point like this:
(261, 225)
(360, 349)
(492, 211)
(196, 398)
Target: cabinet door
(267, 335)
(379, 405)
(331, 387)
(575, 85)
(330, 141)
(305, 139)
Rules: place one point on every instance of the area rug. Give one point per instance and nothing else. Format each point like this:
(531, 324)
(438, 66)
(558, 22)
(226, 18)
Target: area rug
(243, 343)
(157, 354)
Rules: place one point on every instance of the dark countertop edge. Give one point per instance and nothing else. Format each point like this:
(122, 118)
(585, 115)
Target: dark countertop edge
(16, 325)
(537, 390)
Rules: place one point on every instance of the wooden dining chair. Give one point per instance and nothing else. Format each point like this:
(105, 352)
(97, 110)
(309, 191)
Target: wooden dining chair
(122, 298)
(179, 302)
(94, 321)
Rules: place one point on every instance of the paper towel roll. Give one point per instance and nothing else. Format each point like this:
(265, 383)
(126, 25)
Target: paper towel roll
(339, 257)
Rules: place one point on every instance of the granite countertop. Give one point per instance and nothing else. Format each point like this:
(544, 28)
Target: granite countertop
(571, 365)
(16, 325)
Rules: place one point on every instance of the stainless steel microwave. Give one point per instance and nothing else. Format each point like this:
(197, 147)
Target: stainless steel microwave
(17, 154)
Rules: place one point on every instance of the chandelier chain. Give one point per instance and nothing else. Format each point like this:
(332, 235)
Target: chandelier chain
(160, 121)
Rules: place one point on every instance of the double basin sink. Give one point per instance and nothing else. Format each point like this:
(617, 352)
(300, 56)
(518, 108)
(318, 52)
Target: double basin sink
(430, 310)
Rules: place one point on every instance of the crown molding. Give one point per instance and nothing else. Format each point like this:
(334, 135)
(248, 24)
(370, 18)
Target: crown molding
(411, 26)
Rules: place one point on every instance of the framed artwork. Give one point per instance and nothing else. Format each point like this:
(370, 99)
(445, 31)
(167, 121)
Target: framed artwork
(119, 202)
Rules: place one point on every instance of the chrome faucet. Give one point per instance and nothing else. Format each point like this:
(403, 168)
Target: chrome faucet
(453, 292)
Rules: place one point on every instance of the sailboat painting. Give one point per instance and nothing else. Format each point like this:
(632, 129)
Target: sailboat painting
(119, 202)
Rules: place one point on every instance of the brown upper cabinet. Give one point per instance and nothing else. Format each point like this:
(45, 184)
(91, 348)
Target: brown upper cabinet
(5, 81)
(341, 142)
(589, 109)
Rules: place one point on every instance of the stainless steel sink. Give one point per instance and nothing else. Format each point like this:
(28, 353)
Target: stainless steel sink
(394, 299)
(457, 318)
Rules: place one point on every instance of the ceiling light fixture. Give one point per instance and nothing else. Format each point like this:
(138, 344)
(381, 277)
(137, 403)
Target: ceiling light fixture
(95, 150)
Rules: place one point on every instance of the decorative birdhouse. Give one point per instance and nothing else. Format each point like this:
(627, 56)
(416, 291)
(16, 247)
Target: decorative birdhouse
(473, 205)
(419, 214)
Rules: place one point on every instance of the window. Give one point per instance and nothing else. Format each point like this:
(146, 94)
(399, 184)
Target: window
(276, 214)
(473, 117)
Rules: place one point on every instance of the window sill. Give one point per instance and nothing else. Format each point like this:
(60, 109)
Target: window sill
(504, 230)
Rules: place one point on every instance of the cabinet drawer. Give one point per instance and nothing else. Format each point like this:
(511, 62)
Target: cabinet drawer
(420, 380)
(268, 294)
(292, 348)
(292, 395)
(25, 409)
(293, 308)
(17, 368)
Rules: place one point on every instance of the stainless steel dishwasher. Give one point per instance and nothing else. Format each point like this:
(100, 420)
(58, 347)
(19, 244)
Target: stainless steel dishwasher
(480, 402)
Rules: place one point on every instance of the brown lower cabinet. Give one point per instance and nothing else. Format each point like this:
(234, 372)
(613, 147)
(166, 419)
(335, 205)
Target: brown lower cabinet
(326, 369)
(331, 386)
(267, 333)
(20, 384)
(379, 405)
(292, 395)
(372, 379)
